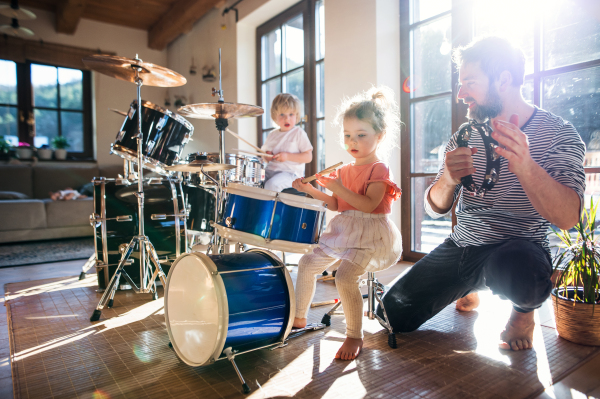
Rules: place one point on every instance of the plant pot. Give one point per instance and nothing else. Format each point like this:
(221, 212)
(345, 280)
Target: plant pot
(44, 153)
(60, 153)
(576, 321)
(24, 153)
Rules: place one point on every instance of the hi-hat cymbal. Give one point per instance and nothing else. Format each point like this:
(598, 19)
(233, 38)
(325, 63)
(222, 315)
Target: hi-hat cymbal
(220, 110)
(199, 166)
(125, 68)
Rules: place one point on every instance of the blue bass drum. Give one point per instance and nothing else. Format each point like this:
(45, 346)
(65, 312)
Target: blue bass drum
(240, 301)
(268, 219)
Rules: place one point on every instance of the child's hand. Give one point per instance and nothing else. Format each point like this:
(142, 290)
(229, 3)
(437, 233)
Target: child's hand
(330, 183)
(281, 157)
(303, 187)
(268, 157)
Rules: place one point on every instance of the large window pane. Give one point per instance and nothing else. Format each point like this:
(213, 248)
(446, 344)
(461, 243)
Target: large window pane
(269, 91)
(72, 129)
(527, 91)
(423, 9)
(293, 34)
(320, 30)
(46, 123)
(427, 233)
(432, 124)
(8, 121)
(574, 97)
(320, 90)
(44, 80)
(571, 33)
(293, 83)
(271, 54)
(71, 88)
(321, 145)
(431, 66)
(8, 82)
(498, 18)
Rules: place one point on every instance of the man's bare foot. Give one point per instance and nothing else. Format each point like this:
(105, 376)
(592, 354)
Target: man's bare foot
(468, 302)
(350, 349)
(299, 323)
(518, 333)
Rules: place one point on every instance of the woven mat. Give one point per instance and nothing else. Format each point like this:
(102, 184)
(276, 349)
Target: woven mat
(29, 253)
(56, 352)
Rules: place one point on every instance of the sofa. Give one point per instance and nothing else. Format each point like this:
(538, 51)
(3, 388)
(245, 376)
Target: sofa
(28, 214)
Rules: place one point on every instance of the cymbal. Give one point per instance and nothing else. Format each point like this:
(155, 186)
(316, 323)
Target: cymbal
(124, 69)
(220, 110)
(198, 166)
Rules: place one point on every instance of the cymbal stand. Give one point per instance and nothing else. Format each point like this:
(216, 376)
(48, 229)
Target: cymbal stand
(215, 240)
(146, 249)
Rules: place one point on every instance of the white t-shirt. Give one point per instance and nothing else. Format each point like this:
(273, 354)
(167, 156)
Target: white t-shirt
(294, 141)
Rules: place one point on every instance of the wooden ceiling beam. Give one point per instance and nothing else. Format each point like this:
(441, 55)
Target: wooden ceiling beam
(178, 20)
(68, 14)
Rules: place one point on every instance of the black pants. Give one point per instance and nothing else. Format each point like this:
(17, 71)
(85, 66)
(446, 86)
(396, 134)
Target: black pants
(515, 270)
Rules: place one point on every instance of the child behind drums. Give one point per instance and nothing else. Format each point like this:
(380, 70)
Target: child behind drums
(289, 144)
(361, 236)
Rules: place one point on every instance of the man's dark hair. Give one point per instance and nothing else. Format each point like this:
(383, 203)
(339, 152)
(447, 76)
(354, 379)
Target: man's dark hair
(495, 56)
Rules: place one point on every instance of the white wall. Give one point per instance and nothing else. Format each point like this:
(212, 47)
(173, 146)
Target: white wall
(108, 92)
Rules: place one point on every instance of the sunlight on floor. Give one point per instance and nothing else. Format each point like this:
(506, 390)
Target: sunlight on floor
(349, 384)
(55, 286)
(492, 316)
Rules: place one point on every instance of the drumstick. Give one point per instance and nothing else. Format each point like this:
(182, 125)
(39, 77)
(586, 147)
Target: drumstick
(330, 302)
(260, 154)
(245, 141)
(323, 172)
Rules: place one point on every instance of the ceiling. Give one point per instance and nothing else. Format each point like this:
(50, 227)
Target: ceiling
(164, 20)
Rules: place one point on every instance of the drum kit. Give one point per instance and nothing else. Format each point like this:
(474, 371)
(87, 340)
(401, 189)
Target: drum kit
(217, 304)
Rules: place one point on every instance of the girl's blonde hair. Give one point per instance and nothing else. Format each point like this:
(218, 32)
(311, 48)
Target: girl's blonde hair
(285, 101)
(377, 107)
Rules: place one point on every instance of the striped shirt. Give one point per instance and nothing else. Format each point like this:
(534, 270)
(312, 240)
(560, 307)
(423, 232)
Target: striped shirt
(505, 212)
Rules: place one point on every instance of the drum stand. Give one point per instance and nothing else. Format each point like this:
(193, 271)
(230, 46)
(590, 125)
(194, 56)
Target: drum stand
(146, 249)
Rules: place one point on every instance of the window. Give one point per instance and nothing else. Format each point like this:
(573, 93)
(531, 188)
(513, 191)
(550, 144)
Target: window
(39, 102)
(290, 59)
(561, 42)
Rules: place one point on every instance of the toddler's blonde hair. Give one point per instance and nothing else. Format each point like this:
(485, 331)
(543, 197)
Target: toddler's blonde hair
(377, 107)
(285, 101)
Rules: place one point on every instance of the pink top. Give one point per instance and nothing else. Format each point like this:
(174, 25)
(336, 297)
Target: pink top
(357, 179)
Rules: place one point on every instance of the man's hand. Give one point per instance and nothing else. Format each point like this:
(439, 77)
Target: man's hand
(459, 163)
(514, 145)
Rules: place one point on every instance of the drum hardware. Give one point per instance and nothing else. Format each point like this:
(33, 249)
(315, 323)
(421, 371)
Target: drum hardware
(118, 111)
(140, 73)
(492, 172)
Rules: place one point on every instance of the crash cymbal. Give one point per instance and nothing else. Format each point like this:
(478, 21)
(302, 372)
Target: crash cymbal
(220, 110)
(198, 166)
(124, 69)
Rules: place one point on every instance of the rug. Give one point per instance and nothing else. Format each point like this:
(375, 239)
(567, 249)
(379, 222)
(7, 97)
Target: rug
(56, 352)
(30, 253)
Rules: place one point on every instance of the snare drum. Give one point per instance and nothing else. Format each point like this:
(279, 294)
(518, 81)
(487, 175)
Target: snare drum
(165, 135)
(115, 222)
(249, 170)
(241, 301)
(268, 219)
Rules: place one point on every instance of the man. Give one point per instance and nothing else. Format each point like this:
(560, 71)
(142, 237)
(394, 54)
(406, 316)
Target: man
(500, 240)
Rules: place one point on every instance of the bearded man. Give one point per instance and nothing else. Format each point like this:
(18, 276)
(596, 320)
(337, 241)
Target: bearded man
(500, 241)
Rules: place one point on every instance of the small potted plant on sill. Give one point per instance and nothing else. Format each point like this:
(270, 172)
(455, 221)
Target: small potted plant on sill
(576, 295)
(24, 151)
(60, 144)
(44, 152)
(4, 149)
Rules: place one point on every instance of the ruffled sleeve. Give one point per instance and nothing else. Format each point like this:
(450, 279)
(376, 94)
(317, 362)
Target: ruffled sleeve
(381, 173)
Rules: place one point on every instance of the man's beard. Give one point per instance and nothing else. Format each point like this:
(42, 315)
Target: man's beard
(491, 109)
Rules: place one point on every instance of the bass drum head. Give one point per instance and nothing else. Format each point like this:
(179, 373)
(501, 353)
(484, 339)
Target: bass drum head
(196, 309)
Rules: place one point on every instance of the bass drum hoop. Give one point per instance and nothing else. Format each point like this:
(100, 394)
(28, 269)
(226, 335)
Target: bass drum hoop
(223, 308)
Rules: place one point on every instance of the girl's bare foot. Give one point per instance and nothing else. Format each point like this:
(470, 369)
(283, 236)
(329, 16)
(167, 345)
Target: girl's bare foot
(518, 333)
(468, 302)
(350, 349)
(299, 323)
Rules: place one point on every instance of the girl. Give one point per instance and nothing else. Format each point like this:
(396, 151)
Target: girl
(361, 237)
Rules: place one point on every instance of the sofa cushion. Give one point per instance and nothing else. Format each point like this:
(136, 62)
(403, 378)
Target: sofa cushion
(69, 213)
(16, 178)
(22, 214)
(6, 195)
(51, 178)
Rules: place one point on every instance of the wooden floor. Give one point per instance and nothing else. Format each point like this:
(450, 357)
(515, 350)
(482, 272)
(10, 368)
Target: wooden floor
(583, 381)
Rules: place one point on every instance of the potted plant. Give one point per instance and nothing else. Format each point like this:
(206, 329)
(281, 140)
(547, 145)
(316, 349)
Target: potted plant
(4, 149)
(60, 144)
(577, 288)
(45, 152)
(24, 151)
